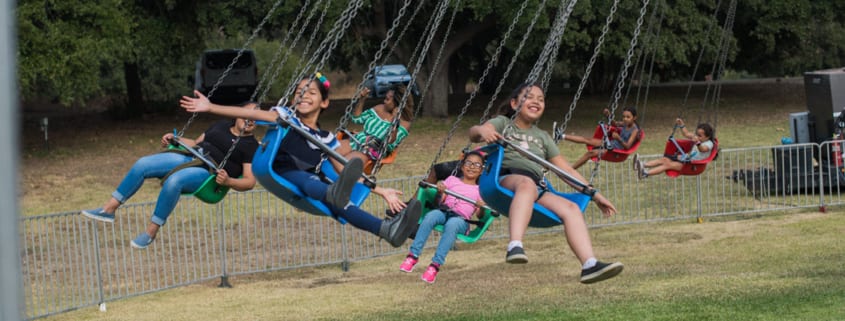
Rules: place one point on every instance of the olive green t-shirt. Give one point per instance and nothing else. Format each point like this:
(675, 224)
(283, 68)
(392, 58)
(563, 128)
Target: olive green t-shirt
(534, 139)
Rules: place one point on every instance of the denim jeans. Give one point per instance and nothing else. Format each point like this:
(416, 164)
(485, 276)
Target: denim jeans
(452, 225)
(186, 180)
(313, 187)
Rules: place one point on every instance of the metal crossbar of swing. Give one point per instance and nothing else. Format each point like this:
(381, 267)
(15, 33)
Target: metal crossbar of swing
(70, 262)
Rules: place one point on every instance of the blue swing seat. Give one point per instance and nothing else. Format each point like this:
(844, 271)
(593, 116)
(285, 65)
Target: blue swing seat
(499, 198)
(262, 167)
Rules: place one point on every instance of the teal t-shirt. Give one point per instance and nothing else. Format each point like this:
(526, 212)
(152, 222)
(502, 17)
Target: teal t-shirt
(534, 139)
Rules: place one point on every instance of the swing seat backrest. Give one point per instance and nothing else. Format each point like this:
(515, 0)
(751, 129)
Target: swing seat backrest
(428, 198)
(690, 168)
(370, 165)
(615, 155)
(262, 167)
(499, 198)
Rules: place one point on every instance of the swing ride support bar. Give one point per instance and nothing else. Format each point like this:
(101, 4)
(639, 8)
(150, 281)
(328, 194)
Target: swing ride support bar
(459, 196)
(326, 149)
(579, 185)
(196, 153)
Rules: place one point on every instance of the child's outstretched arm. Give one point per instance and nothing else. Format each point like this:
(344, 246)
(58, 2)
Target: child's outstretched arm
(680, 123)
(201, 104)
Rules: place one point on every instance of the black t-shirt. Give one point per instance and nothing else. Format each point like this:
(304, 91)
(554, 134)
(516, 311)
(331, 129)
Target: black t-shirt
(218, 139)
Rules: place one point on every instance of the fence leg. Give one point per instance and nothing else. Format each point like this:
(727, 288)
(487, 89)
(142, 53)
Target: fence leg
(699, 218)
(344, 265)
(822, 206)
(102, 304)
(224, 278)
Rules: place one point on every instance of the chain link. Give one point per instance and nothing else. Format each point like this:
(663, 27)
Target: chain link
(232, 64)
(493, 60)
(275, 66)
(344, 120)
(550, 65)
(624, 74)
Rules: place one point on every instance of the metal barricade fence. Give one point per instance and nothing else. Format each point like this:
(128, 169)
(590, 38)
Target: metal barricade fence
(69, 261)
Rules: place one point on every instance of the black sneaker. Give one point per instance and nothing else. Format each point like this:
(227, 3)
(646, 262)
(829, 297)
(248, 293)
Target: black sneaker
(397, 229)
(600, 272)
(339, 191)
(517, 256)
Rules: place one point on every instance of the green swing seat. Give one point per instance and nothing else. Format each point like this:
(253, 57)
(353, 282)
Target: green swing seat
(428, 198)
(209, 192)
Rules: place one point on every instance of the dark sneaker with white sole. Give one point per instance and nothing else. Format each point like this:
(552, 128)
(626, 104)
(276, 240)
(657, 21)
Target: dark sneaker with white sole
(339, 192)
(396, 230)
(516, 256)
(600, 272)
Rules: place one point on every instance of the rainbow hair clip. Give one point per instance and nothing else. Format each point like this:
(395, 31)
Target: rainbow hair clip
(323, 80)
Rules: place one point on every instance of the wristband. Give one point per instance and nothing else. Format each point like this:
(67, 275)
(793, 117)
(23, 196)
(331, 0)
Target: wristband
(589, 191)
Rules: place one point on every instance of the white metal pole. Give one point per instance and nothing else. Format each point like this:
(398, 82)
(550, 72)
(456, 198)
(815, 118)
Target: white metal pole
(11, 298)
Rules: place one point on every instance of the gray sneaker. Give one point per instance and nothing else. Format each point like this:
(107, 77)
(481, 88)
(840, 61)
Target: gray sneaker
(516, 256)
(396, 230)
(339, 191)
(99, 214)
(637, 164)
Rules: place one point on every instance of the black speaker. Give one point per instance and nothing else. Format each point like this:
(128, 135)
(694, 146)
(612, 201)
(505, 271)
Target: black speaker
(825, 91)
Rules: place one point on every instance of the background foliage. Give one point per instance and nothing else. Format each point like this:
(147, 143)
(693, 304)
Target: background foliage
(135, 53)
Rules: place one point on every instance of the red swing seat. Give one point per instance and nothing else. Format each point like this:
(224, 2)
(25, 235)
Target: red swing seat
(690, 168)
(615, 155)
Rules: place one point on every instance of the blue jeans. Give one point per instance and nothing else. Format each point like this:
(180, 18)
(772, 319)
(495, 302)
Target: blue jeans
(452, 225)
(313, 187)
(186, 180)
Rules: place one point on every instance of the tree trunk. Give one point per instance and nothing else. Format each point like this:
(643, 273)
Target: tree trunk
(134, 95)
(437, 101)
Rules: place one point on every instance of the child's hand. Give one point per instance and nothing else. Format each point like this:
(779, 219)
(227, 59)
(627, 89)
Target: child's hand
(616, 136)
(365, 92)
(679, 122)
(391, 196)
(606, 112)
(606, 207)
(480, 204)
(222, 177)
(489, 135)
(441, 188)
(195, 105)
(165, 140)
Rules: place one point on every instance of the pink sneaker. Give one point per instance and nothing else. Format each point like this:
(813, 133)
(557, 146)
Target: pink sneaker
(430, 273)
(408, 264)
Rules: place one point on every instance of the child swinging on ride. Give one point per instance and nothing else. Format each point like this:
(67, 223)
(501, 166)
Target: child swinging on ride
(377, 122)
(452, 214)
(298, 159)
(523, 177)
(703, 139)
(623, 136)
(181, 176)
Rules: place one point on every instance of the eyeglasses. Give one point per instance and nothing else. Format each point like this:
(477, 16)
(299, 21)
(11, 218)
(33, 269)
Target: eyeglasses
(473, 164)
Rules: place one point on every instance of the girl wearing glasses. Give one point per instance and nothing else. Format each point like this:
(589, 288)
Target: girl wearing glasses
(452, 213)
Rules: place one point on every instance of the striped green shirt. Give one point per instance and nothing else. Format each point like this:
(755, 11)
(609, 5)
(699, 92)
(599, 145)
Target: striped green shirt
(377, 128)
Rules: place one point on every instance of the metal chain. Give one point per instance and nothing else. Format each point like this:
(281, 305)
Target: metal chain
(655, 46)
(232, 64)
(550, 65)
(643, 53)
(344, 120)
(421, 50)
(510, 65)
(493, 61)
(698, 62)
(589, 69)
(557, 31)
(330, 37)
(275, 66)
(726, 36)
(413, 64)
(402, 105)
(621, 83)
